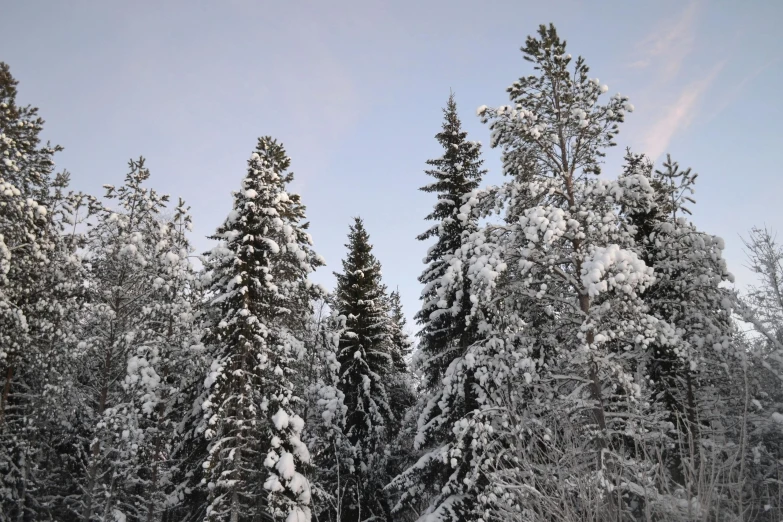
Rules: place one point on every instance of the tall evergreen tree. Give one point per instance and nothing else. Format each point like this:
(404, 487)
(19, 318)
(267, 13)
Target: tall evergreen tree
(689, 268)
(444, 329)
(562, 288)
(401, 343)
(40, 292)
(400, 384)
(133, 328)
(261, 297)
(366, 358)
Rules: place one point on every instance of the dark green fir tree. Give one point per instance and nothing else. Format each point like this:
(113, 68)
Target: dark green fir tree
(444, 308)
(401, 342)
(366, 360)
(261, 296)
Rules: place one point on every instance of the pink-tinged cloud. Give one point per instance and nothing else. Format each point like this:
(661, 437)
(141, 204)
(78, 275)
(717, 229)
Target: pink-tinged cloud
(679, 115)
(667, 47)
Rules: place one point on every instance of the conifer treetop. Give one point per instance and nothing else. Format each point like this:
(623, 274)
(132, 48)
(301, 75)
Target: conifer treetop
(457, 175)
(457, 172)
(556, 125)
(262, 297)
(23, 162)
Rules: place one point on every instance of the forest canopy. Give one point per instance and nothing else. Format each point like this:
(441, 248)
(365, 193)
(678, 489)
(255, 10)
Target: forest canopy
(580, 352)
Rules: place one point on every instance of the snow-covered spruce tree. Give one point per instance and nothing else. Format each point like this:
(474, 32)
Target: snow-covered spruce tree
(401, 343)
(40, 291)
(135, 262)
(401, 387)
(445, 333)
(689, 267)
(566, 331)
(401, 383)
(365, 358)
(262, 295)
(444, 308)
(25, 241)
(334, 478)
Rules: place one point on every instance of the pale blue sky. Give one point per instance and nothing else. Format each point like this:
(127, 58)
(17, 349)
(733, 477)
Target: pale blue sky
(354, 90)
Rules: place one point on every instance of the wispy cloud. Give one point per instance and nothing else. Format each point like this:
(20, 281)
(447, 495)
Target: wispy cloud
(667, 47)
(679, 115)
(662, 55)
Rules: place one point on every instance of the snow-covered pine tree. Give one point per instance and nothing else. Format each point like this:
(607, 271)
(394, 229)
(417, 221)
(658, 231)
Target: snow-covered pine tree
(365, 358)
(133, 257)
(40, 292)
(565, 328)
(261, 294)
(160, 369)
(444, 330)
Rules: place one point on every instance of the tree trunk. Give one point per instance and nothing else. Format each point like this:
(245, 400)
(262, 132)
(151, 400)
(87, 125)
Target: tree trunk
(9, 375)
(95, 448)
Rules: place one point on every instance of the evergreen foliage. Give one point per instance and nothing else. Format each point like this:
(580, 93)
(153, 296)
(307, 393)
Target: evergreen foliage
(41, 291)
(581, 355)
(261, 295)
(366, 358)
(444, 330)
